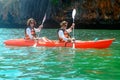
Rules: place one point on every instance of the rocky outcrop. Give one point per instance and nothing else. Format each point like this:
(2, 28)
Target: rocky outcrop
(17, 11)
(88, 11)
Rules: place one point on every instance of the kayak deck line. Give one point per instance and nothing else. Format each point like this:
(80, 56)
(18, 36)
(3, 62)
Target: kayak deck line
(100, 44)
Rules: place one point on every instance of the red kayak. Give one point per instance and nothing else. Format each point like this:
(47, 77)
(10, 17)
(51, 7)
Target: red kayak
(100, 44)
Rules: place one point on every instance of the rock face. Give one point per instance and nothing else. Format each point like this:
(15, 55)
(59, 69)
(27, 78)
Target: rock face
(88, 11)
(17, 11)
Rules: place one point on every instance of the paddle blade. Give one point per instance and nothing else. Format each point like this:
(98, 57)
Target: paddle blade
(44, 18)
(35, 45)
(73, 13)
(73, 46)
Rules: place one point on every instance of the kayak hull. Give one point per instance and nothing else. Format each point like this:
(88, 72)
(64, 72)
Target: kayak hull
(100, 44)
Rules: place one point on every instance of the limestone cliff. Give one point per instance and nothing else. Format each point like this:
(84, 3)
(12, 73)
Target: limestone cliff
(88, 11)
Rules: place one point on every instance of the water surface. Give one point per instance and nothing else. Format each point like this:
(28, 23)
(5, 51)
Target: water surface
(42, 63)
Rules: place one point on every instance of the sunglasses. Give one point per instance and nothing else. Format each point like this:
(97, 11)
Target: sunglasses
(32, 22)
(65, 24)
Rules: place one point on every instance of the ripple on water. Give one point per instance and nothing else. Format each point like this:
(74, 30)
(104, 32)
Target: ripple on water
(10, 73)
(41, 63)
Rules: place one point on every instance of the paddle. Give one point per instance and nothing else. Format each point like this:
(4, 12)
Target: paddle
(73, 16)
(44, 18)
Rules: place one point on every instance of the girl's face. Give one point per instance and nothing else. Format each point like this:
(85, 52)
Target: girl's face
(65, 26)
(32, 24)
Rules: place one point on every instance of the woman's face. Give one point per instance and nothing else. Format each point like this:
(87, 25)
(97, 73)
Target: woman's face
(32, 24)
(65, 26)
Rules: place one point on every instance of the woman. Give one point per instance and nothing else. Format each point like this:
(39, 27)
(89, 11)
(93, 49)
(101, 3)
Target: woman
(63, 32)
(30, 31)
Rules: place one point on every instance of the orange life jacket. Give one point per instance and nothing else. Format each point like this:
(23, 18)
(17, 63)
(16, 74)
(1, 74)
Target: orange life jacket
(32, 32)
(66, 34)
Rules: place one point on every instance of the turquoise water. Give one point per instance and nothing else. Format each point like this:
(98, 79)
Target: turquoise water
(42, 63)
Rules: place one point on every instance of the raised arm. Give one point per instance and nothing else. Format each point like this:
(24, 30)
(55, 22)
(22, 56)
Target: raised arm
(70, 29)
(39, 28)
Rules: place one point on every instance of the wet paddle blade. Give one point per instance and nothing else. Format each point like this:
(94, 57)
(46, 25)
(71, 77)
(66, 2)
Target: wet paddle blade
(73, 46)
(73, 13)
(35, 45)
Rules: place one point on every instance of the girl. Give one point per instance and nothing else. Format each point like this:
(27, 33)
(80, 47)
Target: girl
(63, 32)
(30, 31)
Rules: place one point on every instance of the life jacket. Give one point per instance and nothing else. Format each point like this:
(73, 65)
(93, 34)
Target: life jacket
(32, 32)
(66, 34)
